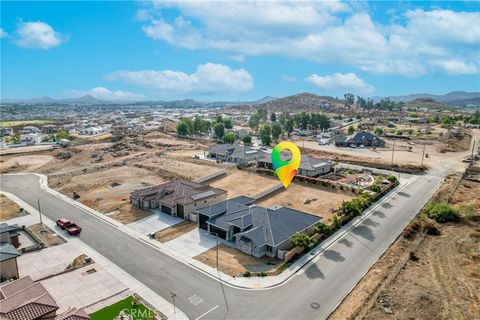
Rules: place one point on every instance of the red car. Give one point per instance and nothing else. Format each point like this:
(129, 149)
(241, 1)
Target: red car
(73, 229)
(63, 223)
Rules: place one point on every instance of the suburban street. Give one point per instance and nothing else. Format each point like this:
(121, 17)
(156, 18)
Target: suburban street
(310, 294)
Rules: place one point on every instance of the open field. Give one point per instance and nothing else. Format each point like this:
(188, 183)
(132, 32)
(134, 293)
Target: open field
(175, 231)
(25, 163)
(301, 197)
(26, 149)
(442, 281)
(234, 262)
(23, 123)
(243, 183)
(9, 209)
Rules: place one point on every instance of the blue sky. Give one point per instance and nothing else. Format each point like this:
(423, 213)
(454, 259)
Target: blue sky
(239, 50)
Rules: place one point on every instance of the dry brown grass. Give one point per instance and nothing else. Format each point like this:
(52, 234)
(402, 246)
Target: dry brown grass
(9, 209)
(175, 231)
(243, 183)
(46, 235)
(234, 262)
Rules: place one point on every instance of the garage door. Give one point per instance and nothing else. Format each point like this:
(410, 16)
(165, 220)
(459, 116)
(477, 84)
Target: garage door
(180, 211)
(166, 210)
(221, 233)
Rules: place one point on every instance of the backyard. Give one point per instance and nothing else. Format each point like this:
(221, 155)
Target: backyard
(244, 183)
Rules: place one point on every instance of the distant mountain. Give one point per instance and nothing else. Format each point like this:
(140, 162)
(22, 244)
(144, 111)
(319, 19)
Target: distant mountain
(263, 100)
(458, 98)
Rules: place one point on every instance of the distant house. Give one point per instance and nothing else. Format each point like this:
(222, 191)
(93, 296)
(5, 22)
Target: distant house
(309, 166)
(177, 198)
(30, 129)
(49, 129)
(234, 153)
(255, 230)
(6, 132)
(364, 138)
(421, 120)
(31, 138)
(92, 131)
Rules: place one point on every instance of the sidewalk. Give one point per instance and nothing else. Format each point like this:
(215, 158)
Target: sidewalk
(136, 286)
(240, 282)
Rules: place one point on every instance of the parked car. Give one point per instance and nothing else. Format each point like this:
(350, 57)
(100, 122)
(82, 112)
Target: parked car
(73, 229)
(63, 223)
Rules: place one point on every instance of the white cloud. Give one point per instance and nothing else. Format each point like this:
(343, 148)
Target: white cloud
(322, 31)
(288, 78)
(38, 35)
(341, 82)
(3, 33)
(455, 67)
(209, 78)
(105, 94)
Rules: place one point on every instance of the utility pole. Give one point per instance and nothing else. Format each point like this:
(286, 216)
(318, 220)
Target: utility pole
(173, 295)
(423, 152)
(473, 149)
(393, 151)
(40, 212)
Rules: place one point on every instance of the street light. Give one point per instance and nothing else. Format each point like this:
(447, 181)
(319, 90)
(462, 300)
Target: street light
(216, 235)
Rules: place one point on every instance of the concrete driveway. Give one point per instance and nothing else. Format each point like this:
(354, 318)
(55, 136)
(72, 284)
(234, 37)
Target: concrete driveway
(156, 222)
(194, 243)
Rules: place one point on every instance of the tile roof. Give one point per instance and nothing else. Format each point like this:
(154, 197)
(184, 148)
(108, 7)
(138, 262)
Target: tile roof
(25, 299)
(179, 191)
(306, 163)
(236, 151)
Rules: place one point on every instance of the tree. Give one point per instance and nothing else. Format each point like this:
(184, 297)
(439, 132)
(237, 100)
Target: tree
(229, 137)
(273, 117)
(349, 99)
(266, 135)
(228, 123)
(378, 131)
(351, 130)
(254, 121)
(300, 239)
(219, 130)
(289, 126)
(182, 128)
(276, 131)
(62, 134)
(247, 139)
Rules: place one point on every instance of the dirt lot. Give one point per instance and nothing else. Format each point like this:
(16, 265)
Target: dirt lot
(47, 235)
(233, 262)
(175, 231)
(243, 183)
(301, 197)
(18, 163)
(443, 283)
(9, 209)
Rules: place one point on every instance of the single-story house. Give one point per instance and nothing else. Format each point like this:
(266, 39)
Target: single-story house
(31, 138)
(177, 198)
(92, 131)
(9, 234)
(309, 166)
(8, 261)
(49, 129)
(364, 138)
(30, 129)
(255, 230)
(234, 153)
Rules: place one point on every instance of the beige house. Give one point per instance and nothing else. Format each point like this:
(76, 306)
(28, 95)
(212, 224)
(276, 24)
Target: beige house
(178, 198)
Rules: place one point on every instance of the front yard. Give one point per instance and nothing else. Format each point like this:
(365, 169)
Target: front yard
(235, 263)
(9, 209)
(175, 231)
(127, 306)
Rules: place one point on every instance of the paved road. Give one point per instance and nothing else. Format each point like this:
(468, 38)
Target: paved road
(311, 294)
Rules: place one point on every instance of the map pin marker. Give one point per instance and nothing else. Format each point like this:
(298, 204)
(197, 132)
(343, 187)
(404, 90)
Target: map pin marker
(285, 170)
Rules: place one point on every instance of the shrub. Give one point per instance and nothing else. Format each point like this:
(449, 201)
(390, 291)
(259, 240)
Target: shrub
(300, 239)
(247, 274)
(442, 212)
(375, 188)
(392, 179)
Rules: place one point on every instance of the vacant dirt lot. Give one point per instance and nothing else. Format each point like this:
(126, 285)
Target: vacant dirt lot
(243, 183)
(108, 190)
(47, 235)
(9, 209)
(317, 200)
(234, 262)
(175, 231)
(18, 163)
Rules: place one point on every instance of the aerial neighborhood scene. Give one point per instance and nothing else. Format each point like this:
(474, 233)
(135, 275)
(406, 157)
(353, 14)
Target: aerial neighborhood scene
(250, 160)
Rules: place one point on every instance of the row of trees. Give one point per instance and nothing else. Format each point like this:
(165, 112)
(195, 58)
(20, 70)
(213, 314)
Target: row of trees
(188, 126)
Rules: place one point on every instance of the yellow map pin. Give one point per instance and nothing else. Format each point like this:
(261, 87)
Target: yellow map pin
(285, 170)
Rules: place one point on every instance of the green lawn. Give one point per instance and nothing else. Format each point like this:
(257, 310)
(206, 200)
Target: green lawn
(139, 312)
(15, 123)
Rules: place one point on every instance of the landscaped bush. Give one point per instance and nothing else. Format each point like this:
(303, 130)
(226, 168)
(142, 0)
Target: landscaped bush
(392, 179)
(375, 188)
(300, 239)
(247, 274)
(442, 212)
